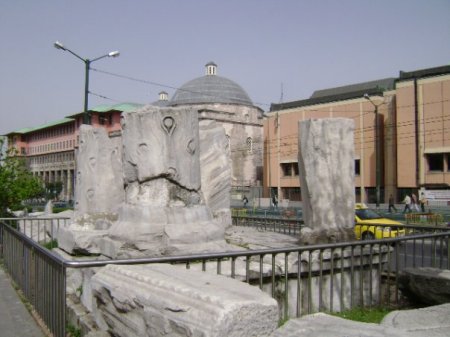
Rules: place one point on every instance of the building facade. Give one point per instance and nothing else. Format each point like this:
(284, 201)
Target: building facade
(50, 149)
(413, 114)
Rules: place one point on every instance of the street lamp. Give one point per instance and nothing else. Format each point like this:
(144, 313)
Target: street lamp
(87, 62)
(377, 151)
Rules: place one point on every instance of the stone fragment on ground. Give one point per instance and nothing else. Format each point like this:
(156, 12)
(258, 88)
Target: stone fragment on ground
(426, 285)
(323, 325)
(162, 300)
(431, 321)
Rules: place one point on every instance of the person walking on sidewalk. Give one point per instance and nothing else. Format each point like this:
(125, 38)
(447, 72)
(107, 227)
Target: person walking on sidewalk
(407, 202)
(391, 204)
(423, 201)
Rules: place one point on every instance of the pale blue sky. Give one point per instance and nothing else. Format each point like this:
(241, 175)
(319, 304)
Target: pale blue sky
(306, 45)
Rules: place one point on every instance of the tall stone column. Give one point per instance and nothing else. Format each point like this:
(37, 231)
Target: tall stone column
(327, 179)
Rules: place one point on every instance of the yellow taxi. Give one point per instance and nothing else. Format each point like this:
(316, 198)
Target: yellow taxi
(366, 221)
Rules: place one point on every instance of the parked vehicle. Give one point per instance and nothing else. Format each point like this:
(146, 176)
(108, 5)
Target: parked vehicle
(370, 225)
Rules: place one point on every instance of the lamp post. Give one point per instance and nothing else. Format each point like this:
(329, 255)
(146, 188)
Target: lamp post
(87, 63)
(377, 151)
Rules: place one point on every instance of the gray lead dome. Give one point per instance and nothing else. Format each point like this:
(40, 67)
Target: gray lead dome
(210, 89)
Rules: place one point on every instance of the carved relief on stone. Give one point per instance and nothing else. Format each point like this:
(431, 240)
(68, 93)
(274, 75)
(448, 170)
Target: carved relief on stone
(166, 151)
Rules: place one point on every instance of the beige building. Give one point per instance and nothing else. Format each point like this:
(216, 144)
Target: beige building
(413, 127)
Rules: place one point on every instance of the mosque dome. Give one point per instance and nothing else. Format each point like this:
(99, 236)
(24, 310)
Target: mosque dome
(210, 88)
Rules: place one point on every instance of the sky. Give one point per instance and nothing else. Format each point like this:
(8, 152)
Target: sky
(278, 51)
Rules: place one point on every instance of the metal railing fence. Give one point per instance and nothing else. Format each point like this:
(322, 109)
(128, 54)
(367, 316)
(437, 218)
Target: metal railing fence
(278, 225)
(303, 279)
(294, 226)
(39, 274)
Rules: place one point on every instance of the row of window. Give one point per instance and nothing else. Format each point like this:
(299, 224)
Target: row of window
(291, 169)
(52, 158)
(248, 144)
(438, 162)
(58, 146)
(55, 132)
(107, 119)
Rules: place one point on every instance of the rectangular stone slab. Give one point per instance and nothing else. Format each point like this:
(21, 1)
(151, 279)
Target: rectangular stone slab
(165, 300)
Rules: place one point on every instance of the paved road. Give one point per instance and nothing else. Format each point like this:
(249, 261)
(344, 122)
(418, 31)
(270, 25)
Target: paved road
(15, 320)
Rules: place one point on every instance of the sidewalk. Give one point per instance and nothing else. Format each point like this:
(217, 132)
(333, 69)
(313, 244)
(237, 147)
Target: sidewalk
(15, 320)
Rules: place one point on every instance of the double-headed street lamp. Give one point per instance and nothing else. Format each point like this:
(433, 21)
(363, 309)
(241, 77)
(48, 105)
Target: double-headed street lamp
(377, 150)
(87, 62)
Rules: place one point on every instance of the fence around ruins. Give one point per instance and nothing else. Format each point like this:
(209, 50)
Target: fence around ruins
(303, 279)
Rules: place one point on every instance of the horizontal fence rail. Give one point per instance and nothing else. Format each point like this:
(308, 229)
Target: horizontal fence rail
(303, 279)
(278, 225)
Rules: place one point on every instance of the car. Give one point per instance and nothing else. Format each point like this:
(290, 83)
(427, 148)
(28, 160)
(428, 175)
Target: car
(367, 221)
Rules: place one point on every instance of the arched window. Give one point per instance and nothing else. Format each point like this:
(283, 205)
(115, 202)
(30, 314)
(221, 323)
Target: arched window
(249, 145)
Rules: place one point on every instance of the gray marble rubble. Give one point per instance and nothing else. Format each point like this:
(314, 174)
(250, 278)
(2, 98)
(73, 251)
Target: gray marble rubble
(163, 300)
(430, 321)
(326, 170)
(425, 285)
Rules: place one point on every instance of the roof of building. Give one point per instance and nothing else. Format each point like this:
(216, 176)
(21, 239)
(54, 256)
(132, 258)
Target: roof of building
(123, 107)
(160, 103)
(40, 127)
(436, 71)
(340, 93)
(358, 90)
(383, 84)
(210, 88)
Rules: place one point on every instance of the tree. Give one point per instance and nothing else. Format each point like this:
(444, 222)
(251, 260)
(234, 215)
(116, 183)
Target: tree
(16, 182)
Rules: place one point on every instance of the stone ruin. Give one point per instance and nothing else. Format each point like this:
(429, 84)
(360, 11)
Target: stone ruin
(326, 170)
(163, 189)
(143, 196)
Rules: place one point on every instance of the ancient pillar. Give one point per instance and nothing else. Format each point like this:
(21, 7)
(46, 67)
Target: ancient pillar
(326, 168)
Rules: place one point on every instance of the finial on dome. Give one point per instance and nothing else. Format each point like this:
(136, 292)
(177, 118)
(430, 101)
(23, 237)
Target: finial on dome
(163, 96)
(211, 68)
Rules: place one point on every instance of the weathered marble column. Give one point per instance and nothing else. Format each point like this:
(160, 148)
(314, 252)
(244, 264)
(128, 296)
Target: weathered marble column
(326, 168)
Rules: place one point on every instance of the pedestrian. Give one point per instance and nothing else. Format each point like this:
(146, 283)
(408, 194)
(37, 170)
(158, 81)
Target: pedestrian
(414, 203)
(275, 201)
(423, 201)
(245, 201)
(407, 202)
(391, 204)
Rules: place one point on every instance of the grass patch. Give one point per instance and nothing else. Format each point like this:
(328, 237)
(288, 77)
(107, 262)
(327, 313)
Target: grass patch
(51, 244)
(366, 315)
(73, 331)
